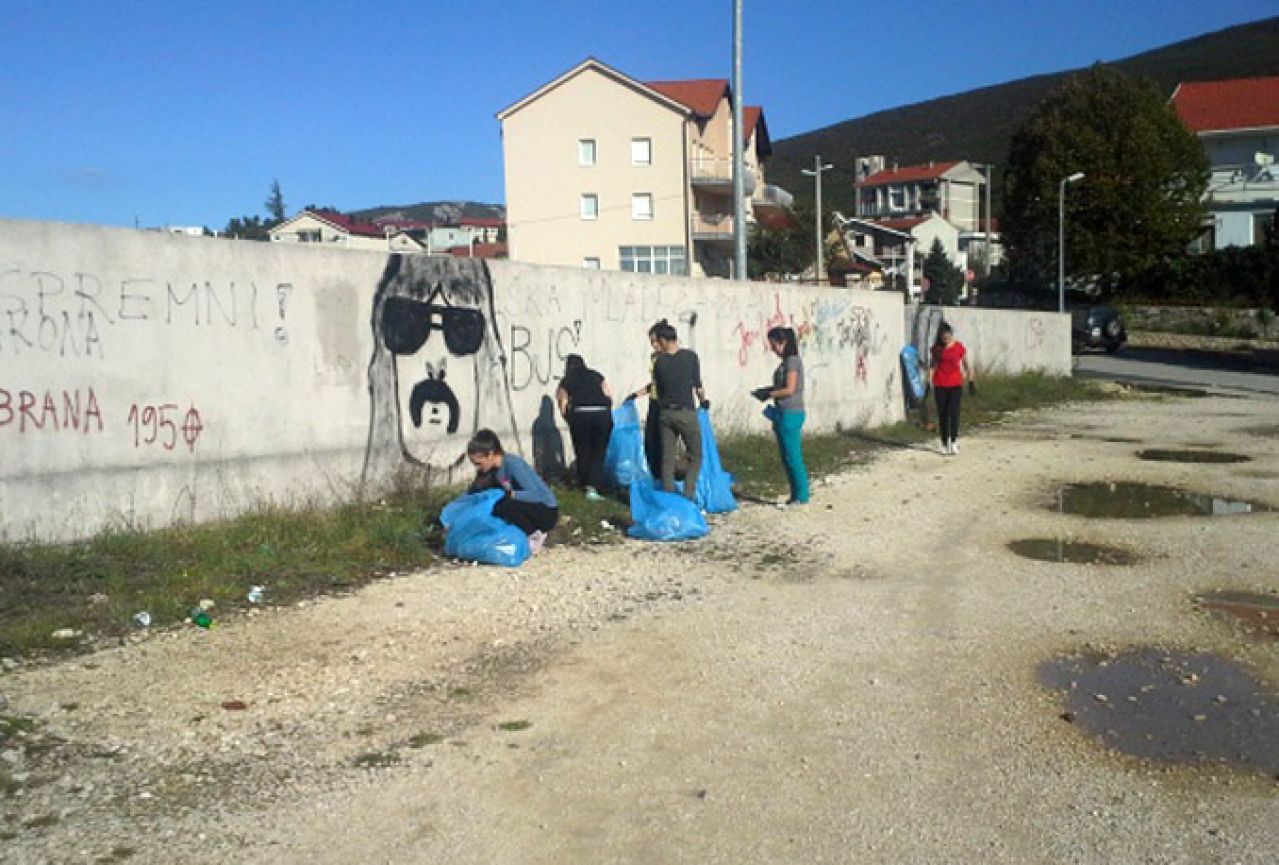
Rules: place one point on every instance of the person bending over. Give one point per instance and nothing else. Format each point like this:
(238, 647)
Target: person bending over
(529, 503)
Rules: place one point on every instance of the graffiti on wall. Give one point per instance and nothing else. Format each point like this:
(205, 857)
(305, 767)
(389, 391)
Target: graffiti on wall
(438, 364)
(828, 330)
(74, 314)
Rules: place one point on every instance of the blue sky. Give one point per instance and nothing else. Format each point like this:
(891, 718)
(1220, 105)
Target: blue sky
(183, 112)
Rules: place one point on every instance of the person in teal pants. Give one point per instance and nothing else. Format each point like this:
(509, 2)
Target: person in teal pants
(787, 411)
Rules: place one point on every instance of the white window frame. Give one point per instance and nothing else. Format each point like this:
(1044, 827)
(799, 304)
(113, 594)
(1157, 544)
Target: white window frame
(642, 206)
(587, 146)
(644, 156)
(590, 206)
(590, 263)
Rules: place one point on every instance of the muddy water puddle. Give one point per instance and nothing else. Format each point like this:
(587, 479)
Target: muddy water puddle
(1258, 613)
(1062, 551)
(1136, 501)
(1162, 455)
(1176, 707)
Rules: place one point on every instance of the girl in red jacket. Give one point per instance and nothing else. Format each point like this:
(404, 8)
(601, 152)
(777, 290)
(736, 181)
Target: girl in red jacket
(950, 370)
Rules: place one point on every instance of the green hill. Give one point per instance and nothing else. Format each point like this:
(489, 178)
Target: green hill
(977, 125)
(436, 211)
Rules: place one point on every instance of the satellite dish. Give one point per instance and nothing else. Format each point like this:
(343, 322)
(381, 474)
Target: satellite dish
(1263, 159)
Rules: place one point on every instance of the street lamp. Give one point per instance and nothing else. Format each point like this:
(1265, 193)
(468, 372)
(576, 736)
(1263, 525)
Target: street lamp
(1061, 237)
(816, 174)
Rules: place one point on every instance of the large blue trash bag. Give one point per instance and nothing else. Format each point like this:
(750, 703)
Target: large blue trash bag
(914, 378)
(661, 516)
(714, 485)
(474, 534)
(624, 460)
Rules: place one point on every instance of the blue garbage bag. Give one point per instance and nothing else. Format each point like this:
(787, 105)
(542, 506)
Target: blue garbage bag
(714, 485)
(474, 534)
(624, 460)
(657, 515)
(910, 368)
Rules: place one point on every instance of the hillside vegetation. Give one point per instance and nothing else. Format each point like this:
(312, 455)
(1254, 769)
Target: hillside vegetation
(978, 125)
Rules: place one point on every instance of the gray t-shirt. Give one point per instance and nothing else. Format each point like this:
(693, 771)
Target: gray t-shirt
(676, 376)
(794, 402)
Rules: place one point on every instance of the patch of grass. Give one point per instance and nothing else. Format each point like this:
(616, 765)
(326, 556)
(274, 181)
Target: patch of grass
(11, 725)
(581, 520)
(376, 759)
(422, 740)
(514, 726)
(756, 464)
(118, 854)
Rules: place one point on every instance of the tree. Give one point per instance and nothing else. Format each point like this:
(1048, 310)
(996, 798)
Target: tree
(783, 250)
(275, 204)
(944, 279)
(1141, 197)
(247, 228)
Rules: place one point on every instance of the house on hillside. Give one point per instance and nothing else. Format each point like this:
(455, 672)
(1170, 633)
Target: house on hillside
(879, 249)
(604, 171)
(1237, 122)
(918, 199)
(330, 228)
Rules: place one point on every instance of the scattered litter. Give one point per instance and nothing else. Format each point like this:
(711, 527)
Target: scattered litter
(142, 619)
(207, 604)
(605, 524)
(234, 705)
(255, 594)
(65, 634)
(201, 618)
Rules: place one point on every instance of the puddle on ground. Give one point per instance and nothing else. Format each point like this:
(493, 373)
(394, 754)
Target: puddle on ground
(1161, 455)
(1129, 500)
(1171, 706)
(1071, 552)
(1258, 613)
(1169, 390)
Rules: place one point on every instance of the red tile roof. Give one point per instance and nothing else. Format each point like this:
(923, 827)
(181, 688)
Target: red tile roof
(908, 173)
(701, 95)
(1239, 103)
(482, 221)
(904, 225)
(482, 250)
(750, 116)
(349, 224)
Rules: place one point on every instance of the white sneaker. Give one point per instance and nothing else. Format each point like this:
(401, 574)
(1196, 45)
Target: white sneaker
(954, 447)
(535, 542)
(945, 448)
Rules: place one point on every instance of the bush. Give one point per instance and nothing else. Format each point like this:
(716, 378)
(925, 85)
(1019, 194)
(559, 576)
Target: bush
(1235, 276)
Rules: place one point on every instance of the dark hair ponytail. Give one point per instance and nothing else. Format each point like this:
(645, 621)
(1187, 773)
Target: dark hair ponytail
(484, 441)
(786, 336)
(942, 329)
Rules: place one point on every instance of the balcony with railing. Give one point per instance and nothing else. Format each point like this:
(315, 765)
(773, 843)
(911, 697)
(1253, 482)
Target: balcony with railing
(712, 227)
(715, 173)
(771, 197)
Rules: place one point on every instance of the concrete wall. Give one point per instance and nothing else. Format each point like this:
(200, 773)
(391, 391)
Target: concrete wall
(1001, 341)
(147, 379)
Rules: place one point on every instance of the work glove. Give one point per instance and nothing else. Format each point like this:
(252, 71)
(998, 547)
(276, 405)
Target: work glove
(706, 404)
(972, 388)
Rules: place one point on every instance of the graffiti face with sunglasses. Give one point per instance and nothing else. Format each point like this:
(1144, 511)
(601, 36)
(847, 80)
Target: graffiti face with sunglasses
(437, 341)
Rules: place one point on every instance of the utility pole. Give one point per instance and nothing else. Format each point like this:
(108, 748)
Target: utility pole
(1061, 237)
(816, 174)
(739, 154)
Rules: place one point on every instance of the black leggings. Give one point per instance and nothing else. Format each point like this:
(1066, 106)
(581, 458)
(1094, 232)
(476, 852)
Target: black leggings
(529, 517)
(590, 431)
(948, 411)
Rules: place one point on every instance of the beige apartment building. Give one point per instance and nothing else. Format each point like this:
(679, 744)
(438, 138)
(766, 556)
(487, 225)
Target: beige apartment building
(603, 171)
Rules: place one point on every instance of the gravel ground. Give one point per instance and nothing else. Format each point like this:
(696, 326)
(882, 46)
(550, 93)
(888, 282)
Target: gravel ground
(851, 681)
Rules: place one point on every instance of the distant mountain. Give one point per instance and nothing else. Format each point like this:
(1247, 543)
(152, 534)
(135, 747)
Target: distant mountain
(436, 211)
(978, 125)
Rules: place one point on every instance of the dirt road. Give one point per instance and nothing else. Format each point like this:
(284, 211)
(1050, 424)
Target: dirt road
(855, 681)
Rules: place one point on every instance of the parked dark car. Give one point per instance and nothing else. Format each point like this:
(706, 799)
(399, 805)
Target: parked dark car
(1096, 326)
